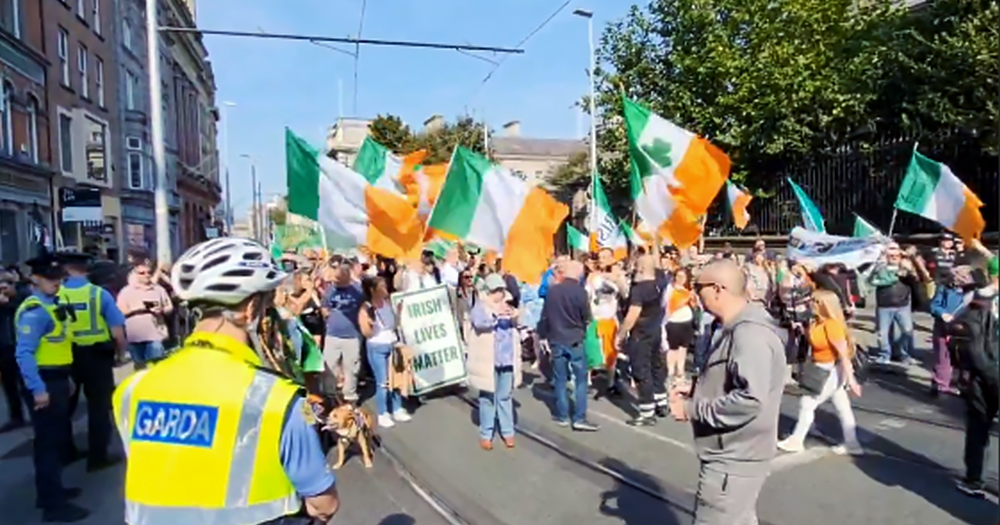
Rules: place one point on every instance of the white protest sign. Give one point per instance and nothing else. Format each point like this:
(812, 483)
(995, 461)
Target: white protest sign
(818, 249)
(428, 327)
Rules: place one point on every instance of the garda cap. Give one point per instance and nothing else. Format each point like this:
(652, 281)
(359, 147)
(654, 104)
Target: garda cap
(47, 266)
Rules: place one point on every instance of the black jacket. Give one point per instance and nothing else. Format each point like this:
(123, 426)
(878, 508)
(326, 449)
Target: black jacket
(975, 342)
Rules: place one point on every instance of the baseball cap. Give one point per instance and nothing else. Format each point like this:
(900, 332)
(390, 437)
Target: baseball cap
(495, 282)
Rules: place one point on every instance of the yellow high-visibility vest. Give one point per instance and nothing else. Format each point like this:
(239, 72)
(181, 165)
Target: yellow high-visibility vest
(55, 347)
(202, 432)
(90, 328)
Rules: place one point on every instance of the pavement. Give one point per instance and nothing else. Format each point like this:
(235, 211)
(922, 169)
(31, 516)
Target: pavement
(619, 475)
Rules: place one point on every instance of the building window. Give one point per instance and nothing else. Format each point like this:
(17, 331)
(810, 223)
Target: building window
(127, 35)
(63, 46)
(10, 17)
(99, 80)
(97, 151)
(66, 142)
(97, 17)
(131, 83)
(81, 8)
(33, 128)
(81, 66)
(8, 119)
(136, 179)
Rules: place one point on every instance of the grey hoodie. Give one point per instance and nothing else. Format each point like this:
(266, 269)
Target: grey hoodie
(737, 398)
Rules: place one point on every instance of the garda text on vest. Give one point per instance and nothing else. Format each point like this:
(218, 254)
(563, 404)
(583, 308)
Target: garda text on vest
(175, 423)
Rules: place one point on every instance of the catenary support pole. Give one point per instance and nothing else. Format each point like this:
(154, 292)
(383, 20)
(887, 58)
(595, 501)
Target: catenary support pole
(163, 248)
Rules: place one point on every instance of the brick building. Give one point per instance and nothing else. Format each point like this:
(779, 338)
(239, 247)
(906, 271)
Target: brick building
(26, 176)
(83, 108)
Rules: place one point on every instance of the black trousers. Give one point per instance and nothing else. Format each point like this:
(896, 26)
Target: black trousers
(93, 373)
(13, 384)
(649, 372)
(49, 424)
(978, 421)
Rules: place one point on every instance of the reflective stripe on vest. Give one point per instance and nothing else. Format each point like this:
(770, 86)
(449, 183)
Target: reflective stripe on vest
(237, 510)
(89, 328)
(54, 348)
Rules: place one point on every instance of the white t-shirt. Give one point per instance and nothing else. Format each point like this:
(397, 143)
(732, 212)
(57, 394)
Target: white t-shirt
(604, 297)
(413, 281)
(384, 325)
(449, 275)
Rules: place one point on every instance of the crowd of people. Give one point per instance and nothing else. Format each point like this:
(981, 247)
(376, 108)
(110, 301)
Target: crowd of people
(715, 340)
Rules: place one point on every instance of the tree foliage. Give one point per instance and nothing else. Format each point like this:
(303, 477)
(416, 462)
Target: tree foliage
(393, 133)
(279, 214)
(775, 81)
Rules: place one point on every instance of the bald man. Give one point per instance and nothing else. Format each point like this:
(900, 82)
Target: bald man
(737, 398)
(563, 327)
(639, 337)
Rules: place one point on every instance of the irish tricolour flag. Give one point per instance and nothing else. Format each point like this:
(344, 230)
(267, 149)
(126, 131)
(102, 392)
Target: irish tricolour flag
(352, 211)
(675, 174)
(486, 204)
(378, 165)
(738, 202)
(931, 190)
(606, 232)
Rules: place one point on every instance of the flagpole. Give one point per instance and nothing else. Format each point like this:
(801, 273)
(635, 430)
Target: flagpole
(895, 210)
(589, 15)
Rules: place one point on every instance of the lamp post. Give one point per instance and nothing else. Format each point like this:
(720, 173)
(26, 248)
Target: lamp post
(163, 251)
(589, 15)
(254, 211)
(225, 162)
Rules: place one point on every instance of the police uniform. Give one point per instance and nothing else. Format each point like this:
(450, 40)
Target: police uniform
(93, 356)
(45, 355)
(202, 432)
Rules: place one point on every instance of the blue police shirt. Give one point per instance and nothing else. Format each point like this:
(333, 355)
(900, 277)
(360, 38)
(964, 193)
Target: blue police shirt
(32, 325)
(112, 315)
(302, 456)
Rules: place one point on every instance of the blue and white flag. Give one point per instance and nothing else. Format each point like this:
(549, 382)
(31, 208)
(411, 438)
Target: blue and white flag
(812, 219)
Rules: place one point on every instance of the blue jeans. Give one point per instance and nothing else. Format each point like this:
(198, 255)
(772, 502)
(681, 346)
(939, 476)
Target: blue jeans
(565, 358)
(498, 405)
(146, 352)
(378, 358)
(885, 317)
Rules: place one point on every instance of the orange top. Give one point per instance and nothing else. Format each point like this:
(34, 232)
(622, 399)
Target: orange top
(679, 298)
(823, 336)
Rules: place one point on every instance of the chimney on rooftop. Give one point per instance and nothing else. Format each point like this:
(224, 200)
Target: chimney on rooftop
(435, 123)
(512, 129)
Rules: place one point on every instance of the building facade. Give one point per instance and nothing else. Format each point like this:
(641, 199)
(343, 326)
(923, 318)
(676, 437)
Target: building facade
(26, 174)
(136, 177)
(192, 122)
(533, 159)
(83, 109)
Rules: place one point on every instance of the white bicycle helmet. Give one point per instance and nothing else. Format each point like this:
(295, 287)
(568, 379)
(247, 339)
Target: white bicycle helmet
(225, 271)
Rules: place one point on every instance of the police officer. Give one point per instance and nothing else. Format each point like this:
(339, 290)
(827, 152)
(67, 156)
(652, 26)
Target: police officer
(44, 355)
(217, 433)
(98, 335)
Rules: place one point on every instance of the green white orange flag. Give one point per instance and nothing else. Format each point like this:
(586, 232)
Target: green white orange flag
(352, 211)
(738, 202)
(675, 174)
(576, 239)
(486, 204)
(931, 190)
(606, 233)
(378, 165)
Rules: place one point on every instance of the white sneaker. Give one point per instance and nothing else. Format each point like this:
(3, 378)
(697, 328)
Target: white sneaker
(853, 449)
(385, 421)
(401, 416)
(791, 445)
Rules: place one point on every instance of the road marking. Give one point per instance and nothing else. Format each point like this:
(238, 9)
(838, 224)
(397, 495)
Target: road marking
(787, 461)
(890, 423)
(919, 410)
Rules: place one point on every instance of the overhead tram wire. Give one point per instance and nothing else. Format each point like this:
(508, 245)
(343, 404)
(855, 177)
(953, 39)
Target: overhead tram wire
(357, 53)
(343, 40)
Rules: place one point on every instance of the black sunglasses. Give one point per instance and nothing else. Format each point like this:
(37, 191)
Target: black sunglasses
(699, 286)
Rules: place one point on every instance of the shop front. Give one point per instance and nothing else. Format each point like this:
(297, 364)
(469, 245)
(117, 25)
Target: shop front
(90, 222)
(25, 215)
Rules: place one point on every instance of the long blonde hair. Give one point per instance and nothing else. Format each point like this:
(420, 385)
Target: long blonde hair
(826, 306)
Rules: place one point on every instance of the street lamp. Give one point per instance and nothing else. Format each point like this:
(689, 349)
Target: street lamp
(225, 161)
(589, 15)
(254, 211)
(163, 251)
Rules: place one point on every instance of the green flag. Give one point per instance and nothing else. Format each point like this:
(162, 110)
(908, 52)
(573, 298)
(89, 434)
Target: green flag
(576, 239)
(863, 228)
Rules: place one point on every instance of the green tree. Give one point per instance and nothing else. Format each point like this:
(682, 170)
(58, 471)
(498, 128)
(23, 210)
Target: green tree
(947, 73)
(763, 79)
(391, 132)
(569, 178)
(279, 213)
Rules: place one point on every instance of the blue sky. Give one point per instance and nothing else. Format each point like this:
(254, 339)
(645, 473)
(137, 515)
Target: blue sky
(276, 83)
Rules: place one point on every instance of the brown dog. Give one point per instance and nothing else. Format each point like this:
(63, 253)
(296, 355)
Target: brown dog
(351, 424)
